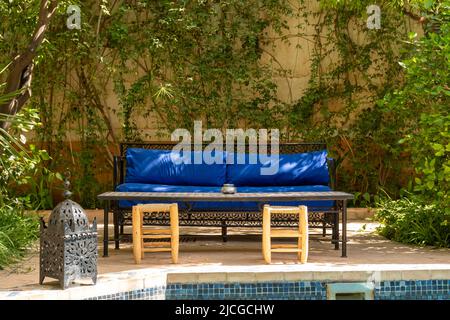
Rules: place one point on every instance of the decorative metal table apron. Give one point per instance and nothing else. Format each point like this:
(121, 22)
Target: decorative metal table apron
(339, 197)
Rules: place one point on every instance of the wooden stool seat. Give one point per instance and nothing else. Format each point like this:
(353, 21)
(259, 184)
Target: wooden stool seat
(301, 234)
(139, 233)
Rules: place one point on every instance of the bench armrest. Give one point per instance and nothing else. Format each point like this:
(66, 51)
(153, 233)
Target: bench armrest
(333, 175)
(118, 173)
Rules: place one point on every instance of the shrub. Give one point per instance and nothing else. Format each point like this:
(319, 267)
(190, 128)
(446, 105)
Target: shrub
(17, 232)
(422, 217)
(20, 166)
(412, 220)
(430, 150)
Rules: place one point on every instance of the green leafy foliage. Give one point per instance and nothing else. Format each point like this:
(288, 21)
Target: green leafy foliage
(421, 108)
(76, 129)
(430, 148)
(412, 220)
(23, 175)
(17, 165)
(169, 63)
(20, 168)
(421, 105)
(352, 68)
(196, 60)
(17, 232)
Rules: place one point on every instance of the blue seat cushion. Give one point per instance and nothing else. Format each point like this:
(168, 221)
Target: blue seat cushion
(298, 169)
(227, 206)
(165, 167)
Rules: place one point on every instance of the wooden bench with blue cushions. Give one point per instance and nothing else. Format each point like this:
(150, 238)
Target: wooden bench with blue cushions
(149, 167)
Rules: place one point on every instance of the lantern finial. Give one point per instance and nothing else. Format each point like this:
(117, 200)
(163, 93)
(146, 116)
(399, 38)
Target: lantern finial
(67, 193)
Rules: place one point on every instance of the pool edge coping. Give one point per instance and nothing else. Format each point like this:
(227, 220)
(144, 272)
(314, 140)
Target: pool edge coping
(132, 280)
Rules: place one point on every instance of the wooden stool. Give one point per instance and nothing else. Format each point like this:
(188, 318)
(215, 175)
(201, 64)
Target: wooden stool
(302, 233)
(139, 233)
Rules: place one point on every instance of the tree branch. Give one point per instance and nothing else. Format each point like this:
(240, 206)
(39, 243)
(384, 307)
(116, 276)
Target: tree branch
(413, 16)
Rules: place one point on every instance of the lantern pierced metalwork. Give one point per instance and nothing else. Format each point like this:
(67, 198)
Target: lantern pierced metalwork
(68, 250)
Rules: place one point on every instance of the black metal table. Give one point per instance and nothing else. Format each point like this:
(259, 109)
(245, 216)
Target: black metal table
(338, 196)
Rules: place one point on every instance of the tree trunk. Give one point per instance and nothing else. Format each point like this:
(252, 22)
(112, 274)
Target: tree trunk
(20, 71)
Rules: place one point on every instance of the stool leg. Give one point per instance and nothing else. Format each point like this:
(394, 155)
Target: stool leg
(175, 232)
(137, 235)
(303, 240)
(266, 246)
(141, 230)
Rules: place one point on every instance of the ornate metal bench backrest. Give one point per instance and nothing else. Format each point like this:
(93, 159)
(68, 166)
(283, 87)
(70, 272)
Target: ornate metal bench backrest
(292, 147)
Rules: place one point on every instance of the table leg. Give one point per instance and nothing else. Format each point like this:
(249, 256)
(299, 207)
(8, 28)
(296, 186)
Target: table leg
(336, 237)
(224, 232)
(344, 228)
(324, 229)
(105, 228)
(116, 229)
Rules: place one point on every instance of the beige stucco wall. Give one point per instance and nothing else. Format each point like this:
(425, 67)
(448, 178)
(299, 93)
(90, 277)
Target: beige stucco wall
(294, 56)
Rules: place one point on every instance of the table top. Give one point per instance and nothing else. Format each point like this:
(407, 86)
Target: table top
(217, 196)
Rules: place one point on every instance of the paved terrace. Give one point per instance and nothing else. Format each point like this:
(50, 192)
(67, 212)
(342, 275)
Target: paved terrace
(208, 259)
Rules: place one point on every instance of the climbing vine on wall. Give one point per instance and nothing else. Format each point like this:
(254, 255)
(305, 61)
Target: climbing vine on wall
(70, 92)
(196, 60)
(165, 62)
(352, 67)
(168, 63)
(202, 60)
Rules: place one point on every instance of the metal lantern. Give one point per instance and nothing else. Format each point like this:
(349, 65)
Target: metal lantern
(68, 244)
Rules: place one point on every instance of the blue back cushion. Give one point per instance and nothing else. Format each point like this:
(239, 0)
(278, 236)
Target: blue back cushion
(293, 170)
(161, 167)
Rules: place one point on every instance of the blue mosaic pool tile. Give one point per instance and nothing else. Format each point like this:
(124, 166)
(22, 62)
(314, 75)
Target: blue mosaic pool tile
(297, 290)
(276, 290)
(414, 290)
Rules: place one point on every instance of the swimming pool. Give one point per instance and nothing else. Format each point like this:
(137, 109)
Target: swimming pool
(274, 282)
(286, 290)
